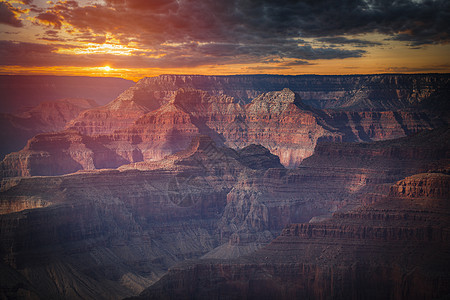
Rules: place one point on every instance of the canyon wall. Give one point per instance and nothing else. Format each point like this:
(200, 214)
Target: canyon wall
(279, 121)
(111, 233)
(363, 92)
(396, 248)
(48, 116)
(108, 234)
(348, 93)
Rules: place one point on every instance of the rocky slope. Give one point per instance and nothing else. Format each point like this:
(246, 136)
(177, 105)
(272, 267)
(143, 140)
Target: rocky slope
(48, 116)
(108, 234)
(279, 121)
(350, 93)
(338, 176)
(397, 248)
(102, 120)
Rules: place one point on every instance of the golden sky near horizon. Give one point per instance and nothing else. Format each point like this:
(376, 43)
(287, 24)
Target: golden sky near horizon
(136, 38)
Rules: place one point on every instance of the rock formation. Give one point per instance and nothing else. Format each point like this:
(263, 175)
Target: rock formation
(177, 168)
(397, 248)
(277, 120)
(48, 116)
(109, 233)
(350, 92)
(158, 116)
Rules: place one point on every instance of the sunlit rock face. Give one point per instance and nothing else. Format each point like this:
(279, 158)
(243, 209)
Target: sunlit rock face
(349, 93)
(288, 128)
(159, 115)
(102, 120)
(396, 248)
(278, 120)
(338, 176)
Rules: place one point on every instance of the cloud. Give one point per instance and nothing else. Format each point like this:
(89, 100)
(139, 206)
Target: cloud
(338, 40)
(242, 20)
(297, 63)
(190, 33)
(8, 15)
(49, 18)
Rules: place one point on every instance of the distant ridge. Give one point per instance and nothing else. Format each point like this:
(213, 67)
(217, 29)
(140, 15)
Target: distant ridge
(18, 91)
(349, 92)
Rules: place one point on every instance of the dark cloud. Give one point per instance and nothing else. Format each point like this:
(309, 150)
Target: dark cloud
(296, 63)
(51, 32)
(338, 40)
(153, 5)
(250, 20)
(189, 33)
(7, 15)
(49, 18)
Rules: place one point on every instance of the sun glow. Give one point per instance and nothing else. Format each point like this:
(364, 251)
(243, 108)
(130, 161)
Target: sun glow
(106, 68)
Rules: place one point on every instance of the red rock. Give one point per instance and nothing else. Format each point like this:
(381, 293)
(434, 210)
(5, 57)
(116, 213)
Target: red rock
(110, 233)
(48, 116)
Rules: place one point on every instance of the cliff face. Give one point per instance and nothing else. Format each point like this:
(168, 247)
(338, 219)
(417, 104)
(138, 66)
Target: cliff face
(362, 92)
(350, 93)
(59, 153)
(396, 249)
(48, 116)
(106, 119)
(158, 116)
(338, 176)
(108, 234)
(381, 125)
(86, 234)
(276, 120)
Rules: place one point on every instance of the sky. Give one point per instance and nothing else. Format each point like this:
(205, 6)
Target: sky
(138, 38)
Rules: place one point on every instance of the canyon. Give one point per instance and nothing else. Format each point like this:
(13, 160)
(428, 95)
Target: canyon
(48, 116)
(397, 248)
(159, 116)
(268, 187)
(211, 202)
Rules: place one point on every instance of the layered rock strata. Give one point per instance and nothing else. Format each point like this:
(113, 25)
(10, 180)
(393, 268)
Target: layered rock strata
(277, 120)
(397, 248)
(110, 233)
(48, 116)
(143, 124)
(360, 92)
(337, 177)
(107, 234)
